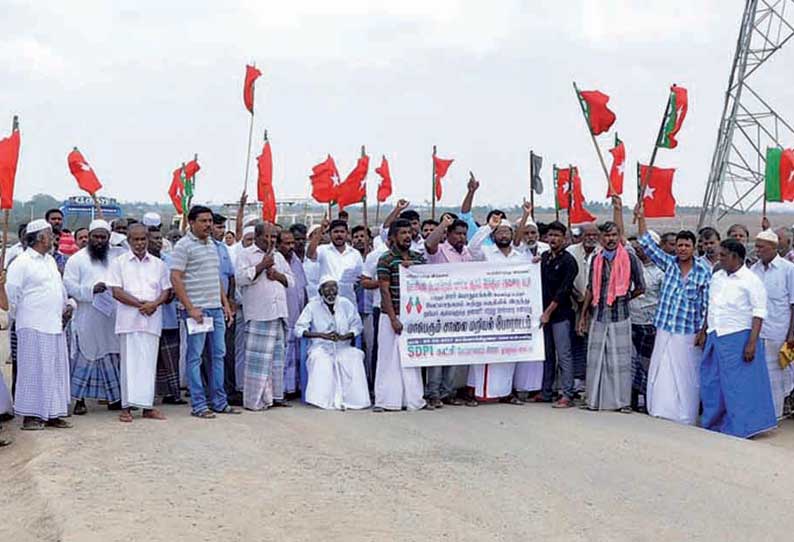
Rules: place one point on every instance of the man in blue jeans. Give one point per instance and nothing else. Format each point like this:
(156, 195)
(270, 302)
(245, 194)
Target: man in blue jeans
(195, 275)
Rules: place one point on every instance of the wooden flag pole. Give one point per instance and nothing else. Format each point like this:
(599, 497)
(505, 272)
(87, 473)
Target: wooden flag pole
(570, 194)
(185, 206)
(250, 134)
(7, 212)
(364, 201)
(556, 203)
(433, 191)
(644, 179)
(532, 178)
(595, 143)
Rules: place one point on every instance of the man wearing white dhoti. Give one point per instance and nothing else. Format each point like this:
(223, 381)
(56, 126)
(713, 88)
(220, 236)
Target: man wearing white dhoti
(777, 274)
(140, 284)
(95, 359)
(337, 379)
(673, 390)
(38, 299)
(395, 386)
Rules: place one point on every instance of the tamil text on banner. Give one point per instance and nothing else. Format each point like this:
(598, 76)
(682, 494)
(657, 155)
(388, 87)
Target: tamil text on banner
(461, 314)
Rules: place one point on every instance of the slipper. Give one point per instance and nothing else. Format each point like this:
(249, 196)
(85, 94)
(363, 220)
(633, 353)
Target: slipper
(228, 410)
(206, 414)
(5, 442)
(125, 417)
(58, 423)
(79, 408)
(32, 424)
(472, 403)
(153, 414)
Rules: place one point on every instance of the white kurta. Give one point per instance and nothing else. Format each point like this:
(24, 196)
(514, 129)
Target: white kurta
(674, 378)
(336, 376)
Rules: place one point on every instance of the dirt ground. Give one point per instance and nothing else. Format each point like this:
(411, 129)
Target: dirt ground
(496, 472)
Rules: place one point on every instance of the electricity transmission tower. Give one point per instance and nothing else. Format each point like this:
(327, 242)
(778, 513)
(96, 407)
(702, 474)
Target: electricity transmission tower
(749, 123)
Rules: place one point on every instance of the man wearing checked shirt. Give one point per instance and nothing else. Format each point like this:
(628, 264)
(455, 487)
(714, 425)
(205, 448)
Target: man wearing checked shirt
(674, 373)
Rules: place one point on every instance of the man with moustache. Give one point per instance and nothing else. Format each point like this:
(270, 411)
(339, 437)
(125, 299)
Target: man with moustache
(296, 301)
(95, 356)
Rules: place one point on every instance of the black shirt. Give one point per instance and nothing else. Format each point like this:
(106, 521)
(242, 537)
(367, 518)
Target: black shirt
(557, 274)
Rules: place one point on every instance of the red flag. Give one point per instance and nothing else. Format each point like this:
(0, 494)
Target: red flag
(599, 116)
(786, 175)
(440, 167)
(264, 184)
(658, 200)
(384, 188)
(251, 75)
(176, 190)
(618, 166)
(324, 176)
(353, 189)
(85, 176)
(577, 211)
(674, 117)
(191, 168)
(561, 177)
(9, 158)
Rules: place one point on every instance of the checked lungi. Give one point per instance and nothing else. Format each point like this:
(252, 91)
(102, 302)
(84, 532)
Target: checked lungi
(609, 365)
(96, 379)
(42, 375)
(166, 382)
(264, 363)
(642, 337)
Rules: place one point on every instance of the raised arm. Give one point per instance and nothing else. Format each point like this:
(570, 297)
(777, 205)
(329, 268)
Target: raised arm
(617, 217)
(434, 239)
(471, 188)
(315, 238)
(238, 222)
(521, 229)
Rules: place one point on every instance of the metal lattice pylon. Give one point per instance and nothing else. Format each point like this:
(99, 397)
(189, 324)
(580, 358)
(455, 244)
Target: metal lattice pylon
(749, 124)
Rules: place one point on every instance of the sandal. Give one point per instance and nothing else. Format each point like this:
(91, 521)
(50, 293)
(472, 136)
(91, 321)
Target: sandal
(229, 410)
(472, 403)
(206, 414)
(32, 424)
(58, 423)
(5, 442)
(153, 414)
(79, 408)
(625, 410)
(125, 417)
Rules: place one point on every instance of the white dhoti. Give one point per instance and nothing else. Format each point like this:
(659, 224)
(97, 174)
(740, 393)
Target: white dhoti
(674, 378)
(395, 386)
(138, 368)
(528, 376)
(781, 380)
(6, 404)
(493, 380)
(337, 379)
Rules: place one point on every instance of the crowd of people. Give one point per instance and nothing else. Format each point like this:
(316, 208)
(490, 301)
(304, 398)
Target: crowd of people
(684, 326)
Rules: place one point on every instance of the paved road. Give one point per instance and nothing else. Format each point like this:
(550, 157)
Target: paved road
(497, 472)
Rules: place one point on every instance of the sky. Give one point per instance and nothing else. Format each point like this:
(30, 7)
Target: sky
(140, 86)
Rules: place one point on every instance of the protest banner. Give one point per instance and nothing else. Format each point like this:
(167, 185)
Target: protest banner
(455, 314)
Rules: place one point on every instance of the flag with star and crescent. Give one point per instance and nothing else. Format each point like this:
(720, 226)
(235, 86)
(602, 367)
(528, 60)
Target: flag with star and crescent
(618, 153)
(657, 198)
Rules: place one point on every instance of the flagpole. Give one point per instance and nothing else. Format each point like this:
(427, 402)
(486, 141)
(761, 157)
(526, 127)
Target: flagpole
(193, 183)
(570, 194)
(250, 133)
(556, 203)
(433, 191)
(7, 212)
(364, 201)
(644, 179)
(531, 178)
(595, 143)
(182, 175)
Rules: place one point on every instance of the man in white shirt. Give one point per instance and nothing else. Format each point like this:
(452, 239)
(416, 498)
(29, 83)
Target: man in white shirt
(734, 382)
(37, 296)
(336, 368)
(495, 381)
(338, 259)
(777, 275)
(95, 363)
(140, 284)
(264, 276)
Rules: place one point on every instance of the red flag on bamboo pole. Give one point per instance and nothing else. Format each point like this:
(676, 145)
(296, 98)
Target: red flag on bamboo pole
(618, 153)
(384, 188)
(264, 184)
(251, 75)
(353, 189)
(9, 159)
(594, 104)
(440, 167)
(324, 177)
(657, 198)
(177, 190)
(85, 176)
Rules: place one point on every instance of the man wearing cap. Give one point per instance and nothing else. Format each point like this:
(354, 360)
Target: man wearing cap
(38, 298)
(95, 356)
(335, 367)
(777, 274)
(140, 284)
(338, 259)
(495, 381)
(264, 276)
(673, 390)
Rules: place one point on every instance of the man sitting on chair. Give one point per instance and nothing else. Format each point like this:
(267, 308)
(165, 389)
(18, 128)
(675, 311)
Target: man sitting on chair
(336, 368)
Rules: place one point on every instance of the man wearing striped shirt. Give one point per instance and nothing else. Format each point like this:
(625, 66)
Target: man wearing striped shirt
(674, 372)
